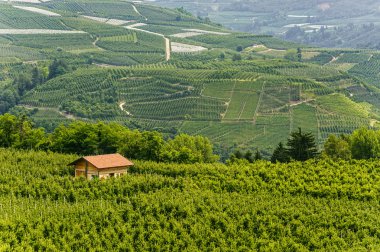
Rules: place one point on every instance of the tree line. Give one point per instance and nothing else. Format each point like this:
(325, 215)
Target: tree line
(28, 80)
(84, 138)
(362, 144)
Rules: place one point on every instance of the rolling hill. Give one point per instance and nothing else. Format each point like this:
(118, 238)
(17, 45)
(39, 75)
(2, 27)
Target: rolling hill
(334, 23)
(154, 68)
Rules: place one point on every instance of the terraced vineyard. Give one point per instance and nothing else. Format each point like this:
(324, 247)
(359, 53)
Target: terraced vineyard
(250, 107)
(241, 90)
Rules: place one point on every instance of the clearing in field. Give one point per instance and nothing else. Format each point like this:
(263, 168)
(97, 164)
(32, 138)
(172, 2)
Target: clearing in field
(110, 21)
(196, 32)
(206, 32)
(186, 48)
(136, 25)
(186, 34)
(37, 10)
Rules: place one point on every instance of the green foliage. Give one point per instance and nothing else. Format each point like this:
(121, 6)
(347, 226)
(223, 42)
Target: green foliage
(239, 157)
(302, 146)
(187, 149)
(338, 147)
(18, 132)
(23, 84)
(147, 145)
(236, 57)
(249, 103)
(291, 55)
(57, 67)
(13, 18)
(8, 99)
(305, 206)
(100, 138)
(365, 144)
(85, 138)
(280, 154)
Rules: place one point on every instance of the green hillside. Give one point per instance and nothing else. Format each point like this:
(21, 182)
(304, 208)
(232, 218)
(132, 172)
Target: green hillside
(319, 206)
(153, 68)
(335, 23)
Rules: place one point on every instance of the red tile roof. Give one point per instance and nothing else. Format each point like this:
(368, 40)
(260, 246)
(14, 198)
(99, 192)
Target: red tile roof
(106, 161)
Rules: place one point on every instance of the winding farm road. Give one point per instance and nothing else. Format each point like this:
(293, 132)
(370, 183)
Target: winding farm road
(138, 13)
(167, 41)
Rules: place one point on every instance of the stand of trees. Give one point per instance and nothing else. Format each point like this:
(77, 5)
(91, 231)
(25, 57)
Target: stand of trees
(85, 138)
(361, 144)
(100, 138)
(28, 80)
(300, 147)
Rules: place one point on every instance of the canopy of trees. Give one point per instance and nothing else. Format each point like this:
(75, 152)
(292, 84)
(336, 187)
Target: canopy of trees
(300, 147)
(100, 138)
(361, 144)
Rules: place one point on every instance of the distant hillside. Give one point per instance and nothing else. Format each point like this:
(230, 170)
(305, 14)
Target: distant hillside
(149, 67)
(345, 23)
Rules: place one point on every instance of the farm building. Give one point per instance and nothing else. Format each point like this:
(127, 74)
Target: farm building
(101, 166)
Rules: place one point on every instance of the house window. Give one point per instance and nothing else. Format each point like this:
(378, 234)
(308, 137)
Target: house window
(112, 175)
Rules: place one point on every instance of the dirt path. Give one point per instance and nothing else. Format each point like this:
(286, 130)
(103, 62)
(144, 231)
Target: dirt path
(300, 102)
(167, 49)
(241, 111)
(167, 41)
(138, 13)
(266, 51)
(334, 59)
(229, 100)
(95, 45)
(259, 103)
(121, 106)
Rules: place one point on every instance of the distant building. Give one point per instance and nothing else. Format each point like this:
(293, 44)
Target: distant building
(101, 166)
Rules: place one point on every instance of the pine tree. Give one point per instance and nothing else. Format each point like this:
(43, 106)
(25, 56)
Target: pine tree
(302, 146)
(258, 155)
(280, 154)
(248, 156)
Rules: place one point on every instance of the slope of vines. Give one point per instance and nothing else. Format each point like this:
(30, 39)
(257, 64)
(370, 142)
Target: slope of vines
(321, 206)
